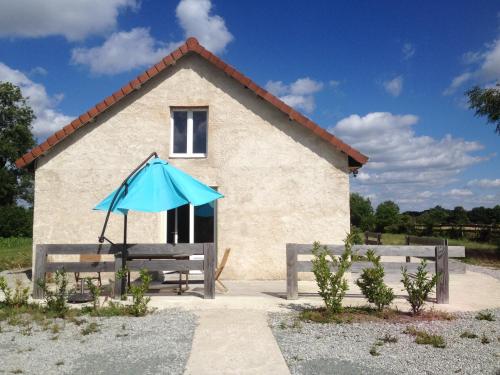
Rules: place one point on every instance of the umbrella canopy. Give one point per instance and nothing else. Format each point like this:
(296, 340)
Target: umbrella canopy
(158, 186)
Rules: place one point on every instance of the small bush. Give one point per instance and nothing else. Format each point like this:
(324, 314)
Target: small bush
(424, 338)
(371, 283)
(418, 286)
(56, 300)
(17, 299)
(332, 284)
(92, 327)
(139, 300)
(373, 351)
(468, 335)
(389, 339)
(485, 339)
(95, 292)
(485, 315)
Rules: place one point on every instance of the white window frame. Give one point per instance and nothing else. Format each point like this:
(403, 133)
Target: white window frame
(189, 150)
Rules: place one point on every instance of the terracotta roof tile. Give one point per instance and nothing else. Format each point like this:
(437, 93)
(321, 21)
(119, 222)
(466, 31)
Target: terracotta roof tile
(191, 45)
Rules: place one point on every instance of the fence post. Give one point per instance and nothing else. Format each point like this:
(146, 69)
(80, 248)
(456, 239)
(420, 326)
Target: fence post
(119, 271)
(292, 281)
(408, 259)
(443, 283)
(39, 271)
(209, 265)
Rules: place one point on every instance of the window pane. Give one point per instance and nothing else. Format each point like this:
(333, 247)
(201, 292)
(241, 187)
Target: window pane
(204, 223)
(200, 132)
(180, 132)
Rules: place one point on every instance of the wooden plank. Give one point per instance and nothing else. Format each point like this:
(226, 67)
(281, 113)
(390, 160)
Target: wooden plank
(292, 283)
(209, 266)
(133, 249)
(40, 269)
(389, 267)
(442, 286)
(385, 250)
(165, 265)
(81, 267)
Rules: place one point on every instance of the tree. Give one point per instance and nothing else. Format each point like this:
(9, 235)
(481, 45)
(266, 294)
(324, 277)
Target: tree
(361, 212)
(486, 102)
(387, 214)
(458, 216)
(15, 139)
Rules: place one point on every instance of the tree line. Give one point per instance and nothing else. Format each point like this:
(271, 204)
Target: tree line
(388, 218)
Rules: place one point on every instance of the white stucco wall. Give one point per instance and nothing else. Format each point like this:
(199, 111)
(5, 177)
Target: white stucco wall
(281, 182)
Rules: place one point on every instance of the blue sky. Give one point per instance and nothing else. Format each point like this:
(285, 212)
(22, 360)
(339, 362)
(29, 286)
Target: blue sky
(387, 77)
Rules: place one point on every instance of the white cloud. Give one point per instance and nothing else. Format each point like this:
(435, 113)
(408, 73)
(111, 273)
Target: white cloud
(126, 50)
(408, 51)
(75, 19)
(122, 51)
(298, 94)
(334, 83)
(48, 118)
(460, 193)
(38, 71)
(485, 183)
(394, 86)
(408, 168)
(196, 19)
(485, 68)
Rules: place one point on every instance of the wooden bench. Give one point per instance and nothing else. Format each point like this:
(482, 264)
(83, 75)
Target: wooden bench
(142, 255)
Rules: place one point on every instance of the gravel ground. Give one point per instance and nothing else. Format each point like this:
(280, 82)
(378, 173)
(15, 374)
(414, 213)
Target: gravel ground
(313, 348)
(159, 343)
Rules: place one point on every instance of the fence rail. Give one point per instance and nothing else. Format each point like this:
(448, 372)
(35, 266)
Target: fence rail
(139, 256)
(441, 252)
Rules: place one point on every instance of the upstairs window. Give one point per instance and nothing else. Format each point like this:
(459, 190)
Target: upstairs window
(189, 133)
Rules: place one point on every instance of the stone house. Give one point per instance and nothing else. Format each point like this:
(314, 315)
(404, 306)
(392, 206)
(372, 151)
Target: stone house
(284, 178)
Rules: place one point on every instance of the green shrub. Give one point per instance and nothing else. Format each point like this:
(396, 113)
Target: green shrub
(371, 283)
(139, 300)
(17, 299)
(424, 338)
(56, 300)
(332, 284)
(95, 292)
(418, 286)
(485, 315)
(468, 335)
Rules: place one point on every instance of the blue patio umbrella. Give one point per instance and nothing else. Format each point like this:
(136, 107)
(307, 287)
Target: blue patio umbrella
(154, 186)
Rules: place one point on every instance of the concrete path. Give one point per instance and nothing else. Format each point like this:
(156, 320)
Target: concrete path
(234, 342)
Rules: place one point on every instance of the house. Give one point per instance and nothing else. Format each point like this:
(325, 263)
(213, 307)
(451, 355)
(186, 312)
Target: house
(284, 178)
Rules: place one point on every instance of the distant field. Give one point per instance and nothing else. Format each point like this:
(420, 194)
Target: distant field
(15, 253)
(479, 253)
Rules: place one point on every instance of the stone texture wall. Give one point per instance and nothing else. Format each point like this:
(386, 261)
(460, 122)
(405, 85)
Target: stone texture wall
(281, 182)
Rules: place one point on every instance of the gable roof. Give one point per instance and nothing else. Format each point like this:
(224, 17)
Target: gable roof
(356, 158)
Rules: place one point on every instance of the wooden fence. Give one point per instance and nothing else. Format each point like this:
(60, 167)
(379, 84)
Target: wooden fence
(149, 256)
(441, 253)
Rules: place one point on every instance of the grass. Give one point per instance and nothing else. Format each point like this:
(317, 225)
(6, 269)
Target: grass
(468, 335)
(15, 253)
(92, 327)
(369, 314)
(485, 315)
(476, 253)
(425, 338)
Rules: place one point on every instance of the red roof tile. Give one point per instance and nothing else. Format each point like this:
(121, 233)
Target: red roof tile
(190, 46)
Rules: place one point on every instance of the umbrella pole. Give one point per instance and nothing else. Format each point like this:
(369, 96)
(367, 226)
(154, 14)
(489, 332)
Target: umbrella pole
(125, 275)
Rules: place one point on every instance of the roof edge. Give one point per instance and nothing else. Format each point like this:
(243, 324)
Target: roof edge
(190, 46)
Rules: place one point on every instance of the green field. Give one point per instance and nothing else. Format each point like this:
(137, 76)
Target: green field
(15, 253)
(479, 253)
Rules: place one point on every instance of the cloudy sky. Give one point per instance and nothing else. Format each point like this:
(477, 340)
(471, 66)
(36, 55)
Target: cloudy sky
(387, 77)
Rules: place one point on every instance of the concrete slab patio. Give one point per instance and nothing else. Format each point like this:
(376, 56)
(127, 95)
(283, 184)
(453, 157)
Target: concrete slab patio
(471, 291)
